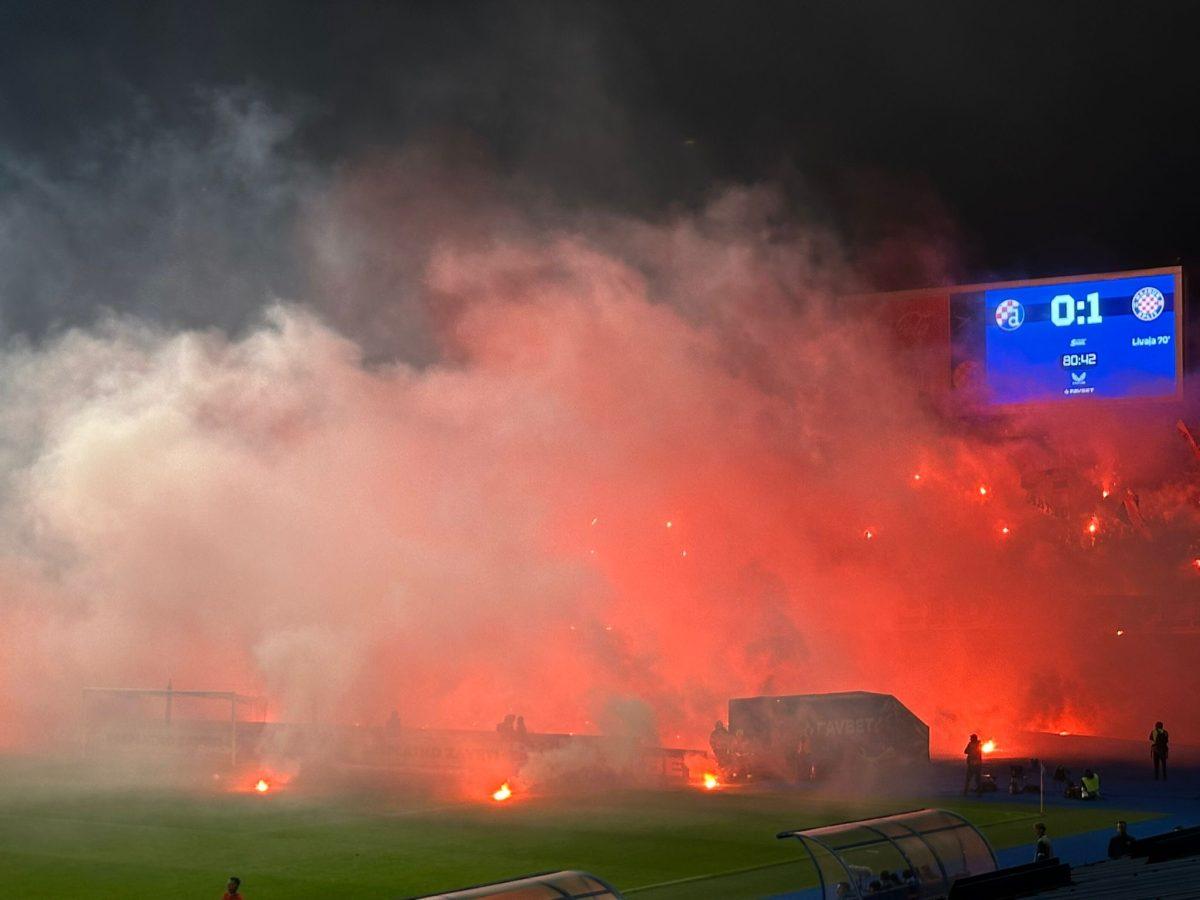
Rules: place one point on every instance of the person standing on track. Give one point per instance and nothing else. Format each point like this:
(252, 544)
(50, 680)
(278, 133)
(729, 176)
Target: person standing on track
(1121, 843)
(719, 741)
(1041, 848)
(974, 754)
(1158, 749)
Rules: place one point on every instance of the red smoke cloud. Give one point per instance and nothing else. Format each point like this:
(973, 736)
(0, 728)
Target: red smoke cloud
(632, 479)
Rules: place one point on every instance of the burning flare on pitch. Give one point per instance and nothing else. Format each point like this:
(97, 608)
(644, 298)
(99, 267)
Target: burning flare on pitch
(502, 793)
(710, 781)
(262, 786)
(989, 746)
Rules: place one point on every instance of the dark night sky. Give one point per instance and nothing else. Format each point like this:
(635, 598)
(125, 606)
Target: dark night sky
(1049, 137)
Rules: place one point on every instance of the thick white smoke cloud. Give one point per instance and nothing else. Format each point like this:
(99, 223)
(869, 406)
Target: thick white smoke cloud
(500, 456)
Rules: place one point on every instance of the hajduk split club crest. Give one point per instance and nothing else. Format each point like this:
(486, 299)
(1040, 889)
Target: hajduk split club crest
(1148, 304)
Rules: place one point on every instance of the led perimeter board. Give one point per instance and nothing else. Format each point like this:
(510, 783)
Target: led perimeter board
(1112, 336)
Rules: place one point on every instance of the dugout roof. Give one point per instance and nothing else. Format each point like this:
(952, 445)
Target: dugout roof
(934, 845)
(567, 885)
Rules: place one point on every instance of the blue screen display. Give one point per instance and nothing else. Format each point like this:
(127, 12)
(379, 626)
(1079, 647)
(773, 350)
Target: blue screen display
(1104, 339)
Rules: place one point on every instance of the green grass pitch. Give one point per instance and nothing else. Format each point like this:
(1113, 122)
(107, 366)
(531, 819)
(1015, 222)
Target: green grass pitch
(60, 840)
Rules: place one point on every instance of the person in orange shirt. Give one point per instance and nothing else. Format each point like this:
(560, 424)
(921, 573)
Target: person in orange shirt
(231, 889)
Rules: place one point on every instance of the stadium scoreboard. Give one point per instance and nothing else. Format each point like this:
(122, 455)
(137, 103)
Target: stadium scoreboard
(1111, 336)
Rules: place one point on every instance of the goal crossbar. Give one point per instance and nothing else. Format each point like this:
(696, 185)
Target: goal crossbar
(169, 694)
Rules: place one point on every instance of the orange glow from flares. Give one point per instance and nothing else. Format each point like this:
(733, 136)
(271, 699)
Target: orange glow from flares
(562, 379)
(502, 793)
(262, 786)
(989, 746)
(710, 781)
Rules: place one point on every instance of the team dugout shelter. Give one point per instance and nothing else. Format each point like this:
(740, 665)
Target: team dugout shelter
(564, 885)
(912, 854)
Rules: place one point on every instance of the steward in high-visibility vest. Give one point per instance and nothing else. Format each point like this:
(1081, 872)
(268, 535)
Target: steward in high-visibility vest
(1089, 785)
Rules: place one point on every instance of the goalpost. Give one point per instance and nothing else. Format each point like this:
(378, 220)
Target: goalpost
(169, 695)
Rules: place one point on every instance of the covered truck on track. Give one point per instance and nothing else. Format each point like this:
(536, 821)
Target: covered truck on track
(811, 736)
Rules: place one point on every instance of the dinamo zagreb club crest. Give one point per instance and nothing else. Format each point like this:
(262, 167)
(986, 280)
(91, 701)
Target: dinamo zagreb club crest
(1010, 314)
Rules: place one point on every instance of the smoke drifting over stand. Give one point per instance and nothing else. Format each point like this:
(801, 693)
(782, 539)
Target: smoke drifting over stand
(409, 434)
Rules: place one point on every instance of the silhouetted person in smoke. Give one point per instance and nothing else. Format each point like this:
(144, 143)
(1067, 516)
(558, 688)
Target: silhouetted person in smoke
(508, 726)
(1158, 749)
(719, 740)
(1041, 848)
(232, 890)
(1121, 843)
(520, 729)
(739, 752)
(974, 754)
(803, 760)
